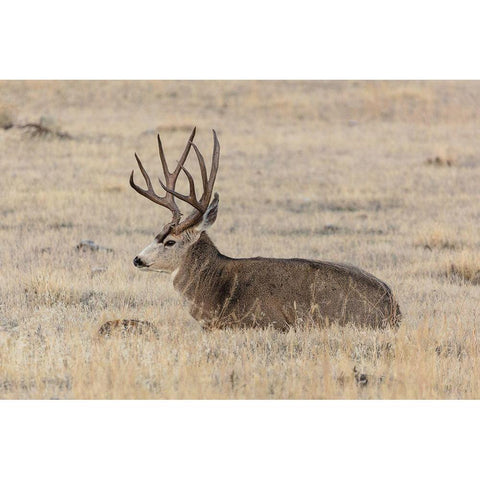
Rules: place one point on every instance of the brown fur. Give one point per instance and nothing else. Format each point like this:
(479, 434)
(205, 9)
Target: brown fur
(261, 292)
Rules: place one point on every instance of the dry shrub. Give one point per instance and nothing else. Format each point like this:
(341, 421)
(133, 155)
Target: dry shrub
(128, 327)
(444, 156)
(441, 161)
(439, 237)
(7, 117)
(465, 268)
(44, 129)
(450, 348)
(49, 290)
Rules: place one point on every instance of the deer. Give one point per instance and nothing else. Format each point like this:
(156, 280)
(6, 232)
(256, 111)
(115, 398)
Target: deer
(225, 292)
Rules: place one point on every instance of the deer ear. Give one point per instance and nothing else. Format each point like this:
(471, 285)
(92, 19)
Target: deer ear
(210, 215)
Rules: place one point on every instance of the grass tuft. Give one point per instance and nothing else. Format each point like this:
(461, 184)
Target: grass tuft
(464, 268)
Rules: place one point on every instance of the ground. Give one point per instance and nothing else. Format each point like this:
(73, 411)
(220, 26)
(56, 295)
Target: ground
(382, 175)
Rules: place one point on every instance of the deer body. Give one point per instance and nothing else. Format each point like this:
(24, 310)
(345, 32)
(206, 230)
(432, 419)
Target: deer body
(258, 292)
(253, 292)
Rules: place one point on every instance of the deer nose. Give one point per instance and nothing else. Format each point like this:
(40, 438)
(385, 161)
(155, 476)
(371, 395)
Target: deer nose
(138, 262)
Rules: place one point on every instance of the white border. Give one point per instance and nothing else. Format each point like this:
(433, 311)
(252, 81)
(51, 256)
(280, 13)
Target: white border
(239, 439)
(248, 40)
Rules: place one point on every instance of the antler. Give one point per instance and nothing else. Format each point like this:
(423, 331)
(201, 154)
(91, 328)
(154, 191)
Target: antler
(201, 205)
(168, 200)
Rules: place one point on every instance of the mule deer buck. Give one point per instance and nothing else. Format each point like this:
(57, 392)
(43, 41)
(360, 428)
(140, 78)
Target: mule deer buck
(251, 292)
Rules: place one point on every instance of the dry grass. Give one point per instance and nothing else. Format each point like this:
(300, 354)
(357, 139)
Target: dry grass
(329, 170)
(464, 267)
(7, 117)
(439, 237)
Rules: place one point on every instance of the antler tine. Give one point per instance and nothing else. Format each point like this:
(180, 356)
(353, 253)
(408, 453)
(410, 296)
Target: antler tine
(151, 195)
(203, 169)
(171, 178)
(215, 163)
(162, 157)
(144, 173)
(185, 153)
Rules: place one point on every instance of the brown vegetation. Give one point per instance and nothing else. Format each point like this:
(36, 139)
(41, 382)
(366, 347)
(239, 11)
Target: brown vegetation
(127, 327)
(441, 161)
(465, 268)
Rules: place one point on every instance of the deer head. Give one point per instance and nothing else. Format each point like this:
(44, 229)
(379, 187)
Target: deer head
(166, 252)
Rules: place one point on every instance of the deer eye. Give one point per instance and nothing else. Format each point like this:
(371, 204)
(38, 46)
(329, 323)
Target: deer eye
(170, 243)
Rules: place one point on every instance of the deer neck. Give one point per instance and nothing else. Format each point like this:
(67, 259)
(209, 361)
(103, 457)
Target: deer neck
(201, 262)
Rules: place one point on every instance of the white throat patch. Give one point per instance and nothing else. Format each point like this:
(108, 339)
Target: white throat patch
(174, 273)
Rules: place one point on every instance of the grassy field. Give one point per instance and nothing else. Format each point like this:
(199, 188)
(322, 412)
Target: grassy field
(383, 175)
